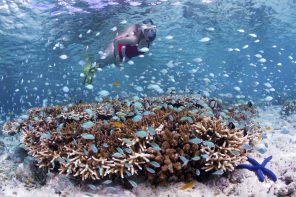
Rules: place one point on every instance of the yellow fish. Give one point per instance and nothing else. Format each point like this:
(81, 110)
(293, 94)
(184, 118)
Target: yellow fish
(116, 84)
(118, 124)
(268, 128)
(187, 186)
(259, 140)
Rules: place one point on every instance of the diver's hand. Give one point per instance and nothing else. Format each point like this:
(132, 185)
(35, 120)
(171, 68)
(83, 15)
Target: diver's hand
(115, 43)
(117, 60)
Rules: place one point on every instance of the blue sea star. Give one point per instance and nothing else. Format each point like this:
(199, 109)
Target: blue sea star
(259, 168)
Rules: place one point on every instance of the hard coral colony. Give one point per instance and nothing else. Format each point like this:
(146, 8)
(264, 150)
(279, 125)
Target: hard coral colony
(166, 138)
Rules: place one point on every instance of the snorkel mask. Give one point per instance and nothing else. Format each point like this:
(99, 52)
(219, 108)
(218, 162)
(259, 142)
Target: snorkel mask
(149, 30)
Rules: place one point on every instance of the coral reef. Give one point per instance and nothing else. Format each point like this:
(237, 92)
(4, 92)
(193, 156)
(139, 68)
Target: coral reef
(11, 127)
(289, 107)
(166, 138)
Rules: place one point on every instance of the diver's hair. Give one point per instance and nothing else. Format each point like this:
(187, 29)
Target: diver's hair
(148, 21)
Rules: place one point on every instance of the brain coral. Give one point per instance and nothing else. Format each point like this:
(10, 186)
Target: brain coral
(165, 138)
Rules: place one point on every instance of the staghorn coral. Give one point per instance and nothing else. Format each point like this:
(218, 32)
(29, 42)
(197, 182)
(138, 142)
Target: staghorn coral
(168, 138)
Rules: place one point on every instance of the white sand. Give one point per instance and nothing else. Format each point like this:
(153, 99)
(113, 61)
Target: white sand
(240, 183)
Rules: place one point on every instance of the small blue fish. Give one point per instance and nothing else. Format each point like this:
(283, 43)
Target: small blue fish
(196, 140)
(194, 111)
(60, 126)
(247, 147)
(120, 150)
(105, 145)
(128, 150)
(177, 109)
(141, 134)
(209, 144)
(87, 136)
(138, 105)
(61, 160)
(235, 152)
(205, 156)
(46, 135)
(127, 165)
(94, 148)
(218, 172)
(196, 158)
(154, 164)
(150, 170)
(117, 155)
(89, 111)
(24, 117)
(137, 118)
(127, 173)
(133, 183)
(147, 113)
(184, 160)
(151, 131)
(136, 98)
(127, 141)
(120, 114)
(197, 172)
(186, 118)
(157, 107)
(131, 114)
(155, 146)
(87, 125)
(91, 186)
(116, 118)
(75, 142)
(100, 169)
(165, 106)
(107, 182)
(85, 151)
(171, 118)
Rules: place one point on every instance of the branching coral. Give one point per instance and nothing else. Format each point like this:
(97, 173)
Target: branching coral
(168, 138)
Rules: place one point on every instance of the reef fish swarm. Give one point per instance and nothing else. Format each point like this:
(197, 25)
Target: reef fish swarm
(166, 138)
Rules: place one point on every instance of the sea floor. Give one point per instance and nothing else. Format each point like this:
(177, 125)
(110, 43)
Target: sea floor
(280, 143)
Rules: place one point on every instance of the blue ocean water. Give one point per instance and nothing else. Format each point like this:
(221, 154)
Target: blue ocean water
(233, 50)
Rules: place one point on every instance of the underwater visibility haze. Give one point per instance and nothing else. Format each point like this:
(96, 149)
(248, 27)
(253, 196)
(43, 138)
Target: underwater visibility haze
(170, 113)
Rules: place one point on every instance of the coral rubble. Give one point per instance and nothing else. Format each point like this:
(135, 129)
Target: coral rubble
(289, 107)
(166, 138)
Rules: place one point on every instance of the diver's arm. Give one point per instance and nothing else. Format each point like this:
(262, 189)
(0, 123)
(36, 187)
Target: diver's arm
(130, 31)
(132, 40)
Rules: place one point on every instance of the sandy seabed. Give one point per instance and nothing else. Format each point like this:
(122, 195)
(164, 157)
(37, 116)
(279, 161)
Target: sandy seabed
(280, 144)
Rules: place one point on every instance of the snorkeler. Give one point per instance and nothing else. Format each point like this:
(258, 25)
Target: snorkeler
(135, 41)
